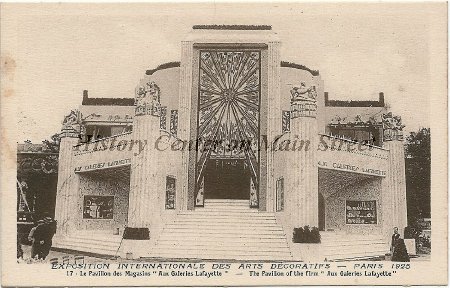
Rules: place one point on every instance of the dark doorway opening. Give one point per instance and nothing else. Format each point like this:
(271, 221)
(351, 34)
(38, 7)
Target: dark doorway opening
(321, 212)
(227, 179)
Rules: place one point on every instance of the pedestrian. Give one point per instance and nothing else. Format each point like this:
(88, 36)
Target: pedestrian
(400, 253)
(394, 239)
(36, 243)
(48, 231)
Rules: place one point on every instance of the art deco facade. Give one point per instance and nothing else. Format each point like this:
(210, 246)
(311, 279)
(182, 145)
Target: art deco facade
(223, 154)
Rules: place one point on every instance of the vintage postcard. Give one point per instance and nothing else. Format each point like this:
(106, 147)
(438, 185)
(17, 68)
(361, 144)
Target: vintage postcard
(227, 144)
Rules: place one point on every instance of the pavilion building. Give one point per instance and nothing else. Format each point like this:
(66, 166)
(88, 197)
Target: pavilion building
(224, 154)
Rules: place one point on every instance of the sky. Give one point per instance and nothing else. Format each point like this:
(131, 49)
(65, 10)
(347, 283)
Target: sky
(359, 49)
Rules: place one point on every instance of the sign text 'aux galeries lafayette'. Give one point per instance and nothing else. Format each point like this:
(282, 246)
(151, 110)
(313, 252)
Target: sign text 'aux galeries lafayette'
(103, 165)
(351, 168)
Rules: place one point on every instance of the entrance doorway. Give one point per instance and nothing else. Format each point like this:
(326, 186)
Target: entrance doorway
(228, 122)
(227, 179)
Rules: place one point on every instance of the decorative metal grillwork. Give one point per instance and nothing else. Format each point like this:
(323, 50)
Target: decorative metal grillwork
(229, 100)
(170, 192)
(286, 121)
(163, 118)
(174, 122)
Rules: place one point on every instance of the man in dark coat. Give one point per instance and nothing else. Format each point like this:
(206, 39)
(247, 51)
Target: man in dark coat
(394, 239)
(43, 236)
(48, 231)
(400, 253)
(36, 244)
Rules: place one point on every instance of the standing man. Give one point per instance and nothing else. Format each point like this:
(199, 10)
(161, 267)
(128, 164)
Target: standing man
(47, 232)
(36, 244)
(394, 239)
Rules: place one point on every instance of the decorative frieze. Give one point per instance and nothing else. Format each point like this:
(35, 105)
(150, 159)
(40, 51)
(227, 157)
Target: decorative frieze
(303, 101)
(358, 120)
(392, 127)
(147, 100)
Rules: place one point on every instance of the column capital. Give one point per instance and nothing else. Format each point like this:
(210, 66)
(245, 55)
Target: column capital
(147, 100)
(303, 101)
(71, 126)
(392, 127)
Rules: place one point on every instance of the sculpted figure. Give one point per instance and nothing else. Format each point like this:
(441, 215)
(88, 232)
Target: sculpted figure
(147, 99)
(71, 119)
(302, 93)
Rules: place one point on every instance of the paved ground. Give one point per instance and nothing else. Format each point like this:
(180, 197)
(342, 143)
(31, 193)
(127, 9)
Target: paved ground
(58, 255)
(91, 258)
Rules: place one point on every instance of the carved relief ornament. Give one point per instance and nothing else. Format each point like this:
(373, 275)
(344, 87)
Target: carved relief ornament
(71, 124)
(392, 127)
(303, 101)
(147, 100)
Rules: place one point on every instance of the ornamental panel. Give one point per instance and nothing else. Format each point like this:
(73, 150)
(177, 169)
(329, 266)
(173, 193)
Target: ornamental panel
(228, 109)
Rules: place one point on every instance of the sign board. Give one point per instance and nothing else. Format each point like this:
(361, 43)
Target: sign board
(360, 212)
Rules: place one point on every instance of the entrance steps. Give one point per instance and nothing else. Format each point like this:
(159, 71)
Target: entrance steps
(97, 242)
(340, 246)
(223, 229)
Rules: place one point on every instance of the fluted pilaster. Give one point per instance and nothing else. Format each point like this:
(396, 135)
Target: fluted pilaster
(304, 173)
(145, 181)
(67, 191)
(185, 114)
(274, 115)
(394, 187)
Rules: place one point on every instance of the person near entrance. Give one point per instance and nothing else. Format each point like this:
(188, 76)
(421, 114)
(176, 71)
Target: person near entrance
(394, 239)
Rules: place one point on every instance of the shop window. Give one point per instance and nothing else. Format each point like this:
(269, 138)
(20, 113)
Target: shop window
(280, 194)
(170, 192)
(361, 212)
(98, 207)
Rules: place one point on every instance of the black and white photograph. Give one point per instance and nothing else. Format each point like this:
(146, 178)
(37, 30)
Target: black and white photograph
(199, 144)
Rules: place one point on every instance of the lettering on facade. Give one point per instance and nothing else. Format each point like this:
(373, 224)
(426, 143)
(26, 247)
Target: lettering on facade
(103, 165)
(351, 168)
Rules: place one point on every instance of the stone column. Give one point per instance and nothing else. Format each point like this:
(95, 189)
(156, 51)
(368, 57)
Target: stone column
(184, 111)
(303, 173)
(145, 180)
(68, 182)
(267, 198)
(394, 184)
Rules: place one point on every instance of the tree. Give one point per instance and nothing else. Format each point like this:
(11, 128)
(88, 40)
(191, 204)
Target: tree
(418, 175)
(53, 145)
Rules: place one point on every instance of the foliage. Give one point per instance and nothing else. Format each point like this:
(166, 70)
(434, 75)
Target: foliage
(306, 235)
(418, 174)
(412, 232)
(53, 145)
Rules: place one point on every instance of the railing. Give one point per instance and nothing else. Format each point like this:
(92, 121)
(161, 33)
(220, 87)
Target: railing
(333, 143)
